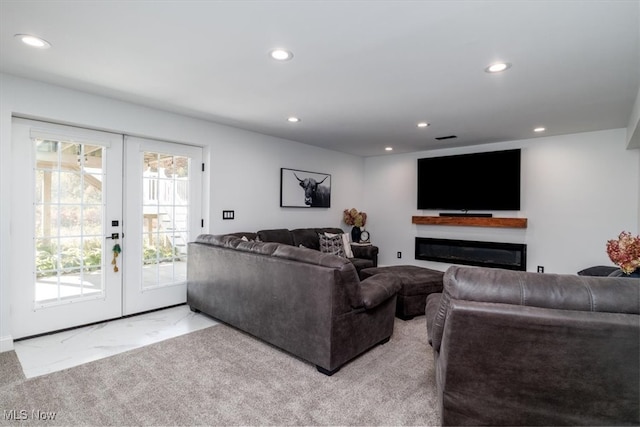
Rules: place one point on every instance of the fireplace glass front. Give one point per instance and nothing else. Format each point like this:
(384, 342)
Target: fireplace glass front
(511, 256)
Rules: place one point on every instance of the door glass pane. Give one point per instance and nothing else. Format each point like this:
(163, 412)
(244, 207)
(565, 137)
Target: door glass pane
(69, 212)
(165, 208)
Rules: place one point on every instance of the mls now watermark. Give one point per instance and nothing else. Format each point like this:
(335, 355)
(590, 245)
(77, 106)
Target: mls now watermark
(24, 415)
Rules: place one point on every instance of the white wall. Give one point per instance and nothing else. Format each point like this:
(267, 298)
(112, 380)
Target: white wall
(633, 133)
(578, 191)
(633, 128)
(243, 168)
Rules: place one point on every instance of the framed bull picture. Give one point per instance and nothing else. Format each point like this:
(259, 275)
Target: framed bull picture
(304, 189)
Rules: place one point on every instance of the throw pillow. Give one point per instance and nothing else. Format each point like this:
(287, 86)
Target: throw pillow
(598, 270)
(331, 245)
(346, 243)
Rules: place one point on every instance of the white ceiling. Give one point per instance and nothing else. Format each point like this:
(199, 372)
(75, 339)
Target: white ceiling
(363, 73)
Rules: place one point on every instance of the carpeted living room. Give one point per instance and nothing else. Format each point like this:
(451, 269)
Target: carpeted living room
(222, 376)
(367, 212)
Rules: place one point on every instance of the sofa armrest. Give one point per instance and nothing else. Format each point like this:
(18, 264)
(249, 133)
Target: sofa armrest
(379, 288)
(366, 252)
(433, 302)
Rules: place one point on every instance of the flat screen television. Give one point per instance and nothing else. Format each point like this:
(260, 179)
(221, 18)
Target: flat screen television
(480, 181)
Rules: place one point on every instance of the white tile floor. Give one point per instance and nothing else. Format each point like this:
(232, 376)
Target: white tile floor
(50, 353)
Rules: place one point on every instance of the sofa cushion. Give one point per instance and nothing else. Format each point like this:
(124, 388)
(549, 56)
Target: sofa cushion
(281, 235)
(277, 250)
(307, 237)
(332, 245)
(309, 256)
(598, 271)
(248, 235)
(234, 242)
(361, 263)
(415, 280)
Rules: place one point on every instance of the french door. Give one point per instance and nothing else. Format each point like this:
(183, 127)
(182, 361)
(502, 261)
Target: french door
(94, 234)
(162, 214)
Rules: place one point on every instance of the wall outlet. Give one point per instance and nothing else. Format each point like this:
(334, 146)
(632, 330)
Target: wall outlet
(540, 269)
(399, 254)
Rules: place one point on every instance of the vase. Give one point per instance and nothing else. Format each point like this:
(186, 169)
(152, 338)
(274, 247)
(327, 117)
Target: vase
(355, 234)
(633, 275)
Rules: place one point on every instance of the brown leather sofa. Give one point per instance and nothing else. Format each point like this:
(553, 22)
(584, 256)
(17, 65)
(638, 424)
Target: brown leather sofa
(518, 348)
(308, 303)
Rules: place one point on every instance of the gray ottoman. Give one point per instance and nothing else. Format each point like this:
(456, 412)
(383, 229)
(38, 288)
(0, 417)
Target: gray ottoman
(417, 284)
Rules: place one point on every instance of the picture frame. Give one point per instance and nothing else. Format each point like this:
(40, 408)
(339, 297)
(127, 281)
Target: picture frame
(304, 189)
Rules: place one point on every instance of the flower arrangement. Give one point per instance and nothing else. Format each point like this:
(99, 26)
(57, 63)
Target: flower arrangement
(625, 252)
(355, 218)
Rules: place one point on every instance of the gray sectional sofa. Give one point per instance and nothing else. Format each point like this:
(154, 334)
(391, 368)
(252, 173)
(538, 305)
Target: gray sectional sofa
(518, 348)
(306, 302)
(363, 256)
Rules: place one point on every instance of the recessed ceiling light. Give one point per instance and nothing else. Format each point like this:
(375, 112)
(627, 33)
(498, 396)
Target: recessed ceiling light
(281, 54)
(497, 67)
(540, 129)
(293, 119)
(388, 148)
(33, 41)
(423, 124)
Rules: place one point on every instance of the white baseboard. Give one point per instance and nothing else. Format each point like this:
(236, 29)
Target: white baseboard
(6, 343)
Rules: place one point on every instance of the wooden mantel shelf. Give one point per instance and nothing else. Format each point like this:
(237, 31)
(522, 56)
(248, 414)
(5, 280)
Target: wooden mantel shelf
(471, 221)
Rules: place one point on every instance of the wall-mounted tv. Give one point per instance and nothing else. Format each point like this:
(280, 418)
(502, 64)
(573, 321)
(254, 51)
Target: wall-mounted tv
(480, 181)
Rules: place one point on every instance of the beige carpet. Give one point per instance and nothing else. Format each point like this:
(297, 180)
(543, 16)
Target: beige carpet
(220, 376)
(10, 370)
